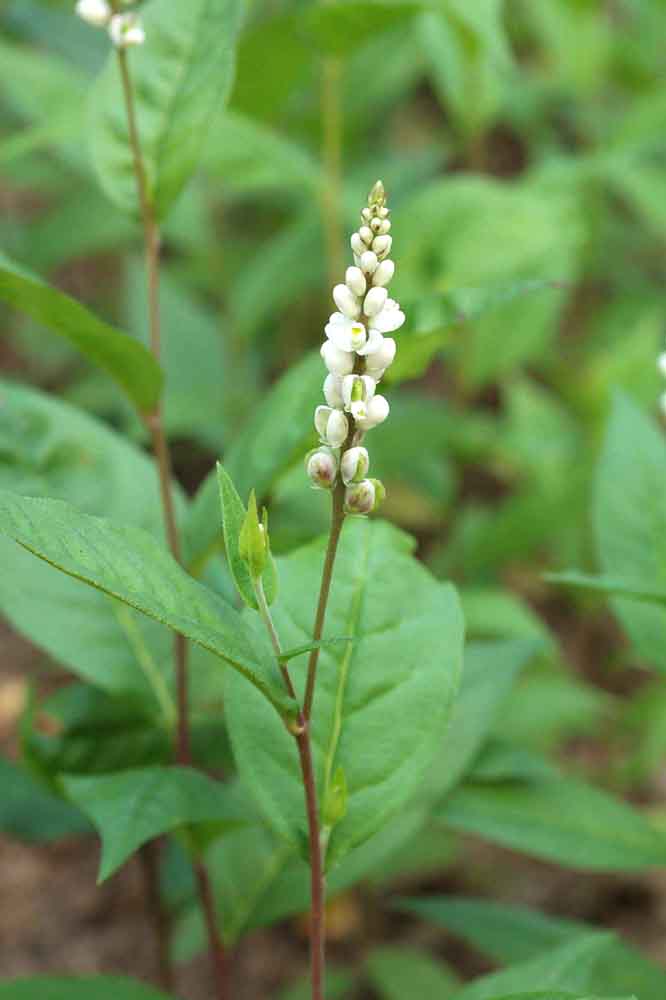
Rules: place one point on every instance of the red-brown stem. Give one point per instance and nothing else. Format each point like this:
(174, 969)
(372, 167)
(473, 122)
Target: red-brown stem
(337, 520)
(150, 860)
(317, 880)
(155, 424)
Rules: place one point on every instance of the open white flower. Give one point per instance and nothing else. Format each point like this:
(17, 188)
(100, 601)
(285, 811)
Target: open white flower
(376, 411)
(345, 333)
(390, 318)
(126, 30)
(95, 12)
(356, 391)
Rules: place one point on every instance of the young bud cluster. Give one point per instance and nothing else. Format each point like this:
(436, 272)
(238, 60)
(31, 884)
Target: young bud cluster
(125, 29)
(357, 351)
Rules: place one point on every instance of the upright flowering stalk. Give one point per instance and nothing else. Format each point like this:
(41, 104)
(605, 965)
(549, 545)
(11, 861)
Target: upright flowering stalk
(357, 352)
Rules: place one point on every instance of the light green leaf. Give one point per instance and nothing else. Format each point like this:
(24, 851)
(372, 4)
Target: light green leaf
(549, 995)
(630, 524)
(126, 563)
(392, 688)
(615, 587)
(95, 988)
(571, 967)
(405, 973)
(511, 934)
(130, 808)
(342, 25)
(181, 78)
(125, 359)
(595, 832)
(233, 518)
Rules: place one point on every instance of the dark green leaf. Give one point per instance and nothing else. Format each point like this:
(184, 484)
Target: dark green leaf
(96, 988)
(30, 812)
(404, 973)
(125, 359)
(132, 807)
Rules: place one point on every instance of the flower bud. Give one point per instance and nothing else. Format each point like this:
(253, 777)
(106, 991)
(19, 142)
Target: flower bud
(384, 227)
(382, 246)
(332, 426)
(253, 545)
(360, 497)
(357, 244)
(376, 412)
(95, 12)
(354, 465)
(383, 212)
(346, 302)
(368, 261)
(661, 363)
(366, 234)
(376, 226)
(338, 362)
(382, 357)
(126, 30)
(357, 389)
(384, 273)
(380, 493)
(355, 280)
(322, 468)
(378, 195)
(366, 214)
(333, 391)
(374, 301)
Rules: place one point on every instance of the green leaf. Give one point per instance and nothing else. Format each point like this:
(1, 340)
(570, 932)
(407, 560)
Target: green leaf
(94, 988)
(490, 671)
(511, 934)
(233, 519)
(276, 436)
(290, 654)
(549, 995)
(340, 26)
(630, 524)
(596, 832)
(405, 973)
(392, 688)
(125, 359)
(132, 807)
(126, 563)
(30, 812)
(181, 79)
(571, 967)
(606, 585)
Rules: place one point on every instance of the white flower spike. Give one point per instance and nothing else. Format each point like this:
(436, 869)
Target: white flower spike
(126, 30)
(357, 354)
(95, 12)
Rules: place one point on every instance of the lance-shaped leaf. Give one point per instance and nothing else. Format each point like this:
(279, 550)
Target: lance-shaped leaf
(132, 807)
(181, 79)
(389, 691)
(90, 988)
(125, 359)
(126, 563)
(233, 519)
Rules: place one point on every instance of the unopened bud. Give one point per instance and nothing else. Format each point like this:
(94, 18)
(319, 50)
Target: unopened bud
(380, 493)
(377, 410)
(95, 12)
(322, 468)
(360, 497)
(126, 30)
(338, 362)
(253, 543)
(369, 262)
(346, 302)
(357, 244)
(377, 195)
(355, 280)
(366, 234)
(333, 391)
(354, 465)
(380, 359)
(332, 426)
(375, 301)
(382, 246)
(384, 273)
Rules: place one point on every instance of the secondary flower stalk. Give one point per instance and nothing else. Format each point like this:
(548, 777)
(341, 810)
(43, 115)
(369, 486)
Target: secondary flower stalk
(357, 351)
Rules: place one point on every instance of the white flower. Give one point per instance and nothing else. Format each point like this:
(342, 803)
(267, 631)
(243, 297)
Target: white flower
(322, 468)
(383, 273)
(372, 344)
(357, 245)
(377, 410)
(355, 280)
(347, 302)
(95, 12)
(366, 234)
(338, 362)
(374, 302)
(369, 262)
(333, 391)
(390, 318)
(380, 360)
(126, 30)
(661, 363)
(332, 426)
(356, 391)
(382, 246)
(346, 334)
(354, 465)
(360, 497)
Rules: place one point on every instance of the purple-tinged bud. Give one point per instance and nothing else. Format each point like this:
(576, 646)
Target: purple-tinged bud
(360, 497)
(322, 468)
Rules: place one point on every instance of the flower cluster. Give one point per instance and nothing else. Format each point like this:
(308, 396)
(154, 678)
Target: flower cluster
(357, 352)
(124, 29)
